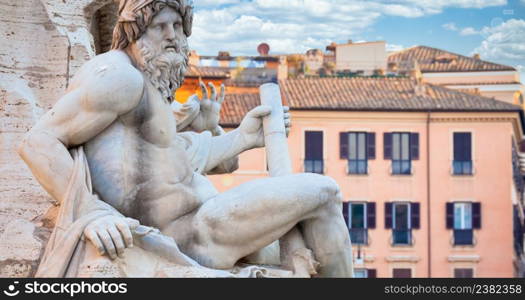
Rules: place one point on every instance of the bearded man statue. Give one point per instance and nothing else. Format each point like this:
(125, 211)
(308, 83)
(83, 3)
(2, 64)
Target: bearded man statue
(128, 170)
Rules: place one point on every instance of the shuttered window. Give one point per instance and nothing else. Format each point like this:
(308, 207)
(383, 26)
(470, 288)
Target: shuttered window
(401, 148)
(361, 216)
(357, 153)
(463, 217)
(358, 232)
(462, 164)
(357, 148)
(401, 224)
(313, 162)
(402, 217)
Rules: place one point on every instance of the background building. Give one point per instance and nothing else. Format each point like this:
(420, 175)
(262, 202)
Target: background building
(365, 57)
(428, 174)
(459, 72)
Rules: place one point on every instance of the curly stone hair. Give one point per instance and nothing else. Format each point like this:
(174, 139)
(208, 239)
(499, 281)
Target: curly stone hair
(136, 15)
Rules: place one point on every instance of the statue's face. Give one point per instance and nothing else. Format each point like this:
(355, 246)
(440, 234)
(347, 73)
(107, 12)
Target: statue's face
(165, 32)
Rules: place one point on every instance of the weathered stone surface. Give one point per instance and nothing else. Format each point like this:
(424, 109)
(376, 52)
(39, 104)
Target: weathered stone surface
(42, 45)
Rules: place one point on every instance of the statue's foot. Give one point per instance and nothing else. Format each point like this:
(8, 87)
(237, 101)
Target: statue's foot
(304, 263)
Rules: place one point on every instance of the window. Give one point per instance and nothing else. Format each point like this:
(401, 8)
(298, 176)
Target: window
(519, 231)
(365, 273)
(401, 222)
(462, 164)
(463, 223)
(401, 148)
(463, 273)
(358, 148)
(313, 162)
(463, 217)
(402, 217)
(402, 273)
(360, 273)
(359, 217)
(358, 232)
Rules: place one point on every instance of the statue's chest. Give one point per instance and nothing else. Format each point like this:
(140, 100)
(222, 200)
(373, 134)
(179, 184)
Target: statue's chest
(153, 119)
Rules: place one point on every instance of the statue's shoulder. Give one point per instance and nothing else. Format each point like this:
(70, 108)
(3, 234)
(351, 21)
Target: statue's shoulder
(109, 66)
(110, 79)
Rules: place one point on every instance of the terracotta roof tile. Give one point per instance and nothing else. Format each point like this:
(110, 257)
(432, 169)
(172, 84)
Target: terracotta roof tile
(481, 83)
(206, 72)
(235, 106)
(436, 60)
(363, 94)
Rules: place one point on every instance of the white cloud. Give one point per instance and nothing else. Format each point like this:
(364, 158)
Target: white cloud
(505, 42)
(289, 26)
(394, 47)
(203, 3)
(450, 26)
(468, 31)
(521, 69)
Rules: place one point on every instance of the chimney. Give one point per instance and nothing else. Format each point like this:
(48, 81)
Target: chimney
(476, 56)
(350, 41)
(224, 55)
(420, 89)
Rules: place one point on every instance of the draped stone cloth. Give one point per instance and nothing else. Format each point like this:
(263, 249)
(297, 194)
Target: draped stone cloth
(67, 254)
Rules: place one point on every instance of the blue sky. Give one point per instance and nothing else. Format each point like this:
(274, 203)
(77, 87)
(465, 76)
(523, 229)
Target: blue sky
(493, 28)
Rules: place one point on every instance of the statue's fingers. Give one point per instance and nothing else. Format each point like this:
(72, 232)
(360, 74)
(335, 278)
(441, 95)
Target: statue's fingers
(287, 131)
(117, 240)
(260, 111)
(124, 230)
(213, 91)
(93, 237)
(108, 243)
(193, 97)
(204, 90)
(132, 223)
(286, 109)
(222, 94)
(287, 123)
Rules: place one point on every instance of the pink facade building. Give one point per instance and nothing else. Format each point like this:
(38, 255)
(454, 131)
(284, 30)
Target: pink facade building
(430, 176)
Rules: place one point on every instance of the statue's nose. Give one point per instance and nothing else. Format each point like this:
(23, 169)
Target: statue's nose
(169, 34)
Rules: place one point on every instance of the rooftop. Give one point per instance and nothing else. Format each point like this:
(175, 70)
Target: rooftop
(206, 72)
(365, 94)
(436, 60)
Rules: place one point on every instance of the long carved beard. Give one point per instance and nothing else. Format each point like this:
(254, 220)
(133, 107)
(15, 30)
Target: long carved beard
(165, 70)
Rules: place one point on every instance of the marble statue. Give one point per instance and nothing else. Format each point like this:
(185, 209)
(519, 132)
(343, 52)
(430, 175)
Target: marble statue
(128, 166)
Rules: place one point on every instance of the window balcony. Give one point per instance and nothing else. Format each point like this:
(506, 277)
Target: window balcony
(314, 166)
(402, 237)
(462, 167)
(358, 166)
(401, 167)
(359, 236)
(463, 237)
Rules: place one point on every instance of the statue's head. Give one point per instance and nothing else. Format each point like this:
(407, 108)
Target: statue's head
(158, 31)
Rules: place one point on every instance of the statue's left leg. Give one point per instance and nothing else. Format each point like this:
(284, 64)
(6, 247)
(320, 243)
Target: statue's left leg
(248, 217)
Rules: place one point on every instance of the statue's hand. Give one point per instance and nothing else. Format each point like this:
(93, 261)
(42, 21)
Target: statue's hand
(210, 108)
(111, 234)
(251, 126)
